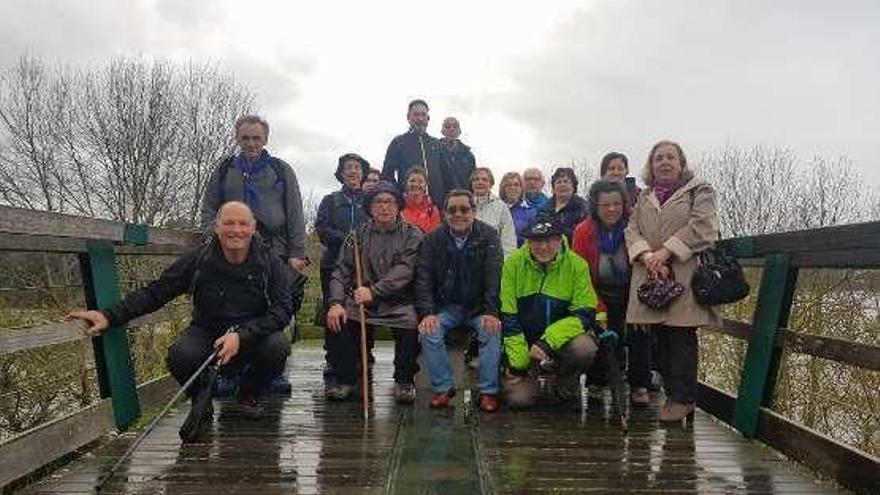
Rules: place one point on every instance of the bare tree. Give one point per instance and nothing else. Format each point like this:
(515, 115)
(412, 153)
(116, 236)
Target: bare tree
(31, 174)
(133, 140)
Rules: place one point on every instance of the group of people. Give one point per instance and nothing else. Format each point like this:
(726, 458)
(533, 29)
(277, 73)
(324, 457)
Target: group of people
(539, 280)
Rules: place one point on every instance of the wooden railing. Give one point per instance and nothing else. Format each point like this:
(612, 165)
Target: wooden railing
(768, 336)
(96, 243)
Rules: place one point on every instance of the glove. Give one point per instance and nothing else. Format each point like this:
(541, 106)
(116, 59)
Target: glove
(608, 336)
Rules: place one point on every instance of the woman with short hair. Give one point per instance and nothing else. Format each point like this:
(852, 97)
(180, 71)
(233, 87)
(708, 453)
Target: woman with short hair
(565, 206)
(511, 191)
(492, 210)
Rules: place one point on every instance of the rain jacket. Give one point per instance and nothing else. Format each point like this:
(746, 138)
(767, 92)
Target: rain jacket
(544, 304)
(388, 260)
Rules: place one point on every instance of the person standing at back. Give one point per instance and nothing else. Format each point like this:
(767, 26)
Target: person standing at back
(456, 157)
(416, 147)
(533, 187)
(269, 187)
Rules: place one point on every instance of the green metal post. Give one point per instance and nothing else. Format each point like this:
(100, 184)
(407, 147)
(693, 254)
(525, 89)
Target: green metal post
(135, 234)
(774, 305)
(113, 355)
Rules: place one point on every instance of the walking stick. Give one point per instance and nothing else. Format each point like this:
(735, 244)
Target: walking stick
(140, 438)
(365, 399)
(608, 346)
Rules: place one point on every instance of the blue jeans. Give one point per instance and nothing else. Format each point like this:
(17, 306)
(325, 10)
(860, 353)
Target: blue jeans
(434, 347)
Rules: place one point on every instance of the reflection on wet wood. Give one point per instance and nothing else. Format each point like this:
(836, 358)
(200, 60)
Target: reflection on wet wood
(306, 445)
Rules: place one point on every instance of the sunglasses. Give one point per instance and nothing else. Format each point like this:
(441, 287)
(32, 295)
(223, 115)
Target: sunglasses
(464, 210)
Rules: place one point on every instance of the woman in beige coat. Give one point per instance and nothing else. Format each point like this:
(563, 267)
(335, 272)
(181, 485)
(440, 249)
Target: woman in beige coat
(673, 220)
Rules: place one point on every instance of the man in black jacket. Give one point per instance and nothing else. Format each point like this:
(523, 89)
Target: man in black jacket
(416, 147)
(235, 283)
(456, 157)
(459, 277)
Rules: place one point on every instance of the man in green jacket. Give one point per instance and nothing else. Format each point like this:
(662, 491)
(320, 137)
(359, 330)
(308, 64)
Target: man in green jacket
(548, 307)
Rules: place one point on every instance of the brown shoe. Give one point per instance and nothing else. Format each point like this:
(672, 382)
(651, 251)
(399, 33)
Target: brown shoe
(640, 397)
(442, 399)
(488, 403)
(674, 411)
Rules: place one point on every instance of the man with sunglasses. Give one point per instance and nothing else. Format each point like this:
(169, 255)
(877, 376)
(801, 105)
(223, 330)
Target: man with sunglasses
(549, 308)
(459, 270)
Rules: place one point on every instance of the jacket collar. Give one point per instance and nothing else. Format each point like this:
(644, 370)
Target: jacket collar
(685, 189)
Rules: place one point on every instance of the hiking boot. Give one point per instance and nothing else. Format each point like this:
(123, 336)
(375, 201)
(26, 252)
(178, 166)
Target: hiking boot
(201, 414)
(250, 407)
(640, 397)
(226, 386)
(488, 403)
(442, 399)
(597, 393)
(280, 385)
(675, 411)
(339, 392)
(404, 393)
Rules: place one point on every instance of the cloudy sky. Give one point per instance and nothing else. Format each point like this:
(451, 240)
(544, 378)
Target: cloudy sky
(537, 84)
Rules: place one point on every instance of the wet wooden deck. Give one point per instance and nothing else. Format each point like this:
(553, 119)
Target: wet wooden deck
(306, 445)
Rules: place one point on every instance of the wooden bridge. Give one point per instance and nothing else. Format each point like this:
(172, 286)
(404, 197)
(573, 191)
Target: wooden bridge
(307, 445)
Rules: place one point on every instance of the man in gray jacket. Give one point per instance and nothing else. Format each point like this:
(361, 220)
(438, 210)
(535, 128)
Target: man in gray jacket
(267, 185)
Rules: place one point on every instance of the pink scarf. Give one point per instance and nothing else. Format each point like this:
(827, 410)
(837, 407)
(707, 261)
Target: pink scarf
(663, 192)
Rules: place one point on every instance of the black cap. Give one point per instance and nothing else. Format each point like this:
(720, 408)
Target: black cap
(541, 227)
(383, 187)
(365, 165)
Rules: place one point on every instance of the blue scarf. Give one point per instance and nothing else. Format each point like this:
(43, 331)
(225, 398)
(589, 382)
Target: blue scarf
(609, 243)
(249, 170)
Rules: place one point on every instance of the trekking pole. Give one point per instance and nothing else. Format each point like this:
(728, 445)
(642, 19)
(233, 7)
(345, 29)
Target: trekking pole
(140, 438)
(365, 399)
(608, 344)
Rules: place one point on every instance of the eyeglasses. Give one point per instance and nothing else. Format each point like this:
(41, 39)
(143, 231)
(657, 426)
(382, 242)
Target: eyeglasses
(464, 210)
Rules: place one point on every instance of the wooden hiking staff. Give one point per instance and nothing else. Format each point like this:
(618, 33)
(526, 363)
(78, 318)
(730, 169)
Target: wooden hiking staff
(365, 398)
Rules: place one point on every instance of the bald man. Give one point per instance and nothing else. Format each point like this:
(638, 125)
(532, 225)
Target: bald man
(456, 158)
(235, 284)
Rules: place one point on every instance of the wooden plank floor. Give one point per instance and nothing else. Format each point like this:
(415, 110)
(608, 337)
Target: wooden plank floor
(306, 445)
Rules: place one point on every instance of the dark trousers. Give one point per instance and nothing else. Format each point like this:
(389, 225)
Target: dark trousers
(259, 361)
(342, 352)
(598, 373)
(641, 356)
(679, 353)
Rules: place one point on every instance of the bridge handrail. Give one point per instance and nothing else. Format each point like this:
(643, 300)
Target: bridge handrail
(96, 243)
(782, 255)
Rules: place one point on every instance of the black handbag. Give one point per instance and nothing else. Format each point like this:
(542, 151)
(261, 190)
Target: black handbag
(657, 293)
(718, 279)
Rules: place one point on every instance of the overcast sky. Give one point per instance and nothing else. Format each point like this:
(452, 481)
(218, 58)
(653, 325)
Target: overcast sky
(538, 84)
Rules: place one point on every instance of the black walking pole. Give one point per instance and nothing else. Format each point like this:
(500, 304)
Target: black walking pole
(607, 340)
(137, 441)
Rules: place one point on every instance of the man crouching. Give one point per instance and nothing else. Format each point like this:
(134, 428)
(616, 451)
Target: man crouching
(236, 284)
(548, 307)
